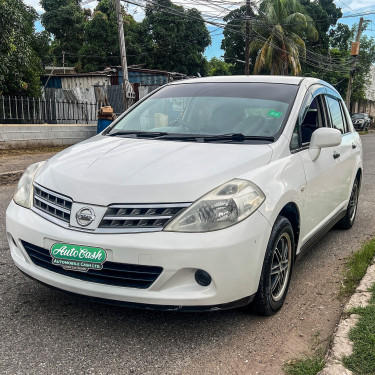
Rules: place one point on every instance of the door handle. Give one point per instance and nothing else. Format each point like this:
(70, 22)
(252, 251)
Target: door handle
(354, 146)
(336, 155)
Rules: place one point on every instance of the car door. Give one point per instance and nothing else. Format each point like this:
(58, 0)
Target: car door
(349, 149)
(322, 193)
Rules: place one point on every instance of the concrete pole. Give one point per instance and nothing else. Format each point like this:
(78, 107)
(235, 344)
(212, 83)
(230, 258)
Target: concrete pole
(124, 64)
(350, 83)
(247, 32)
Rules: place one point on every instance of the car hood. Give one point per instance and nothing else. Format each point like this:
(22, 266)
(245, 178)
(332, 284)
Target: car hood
(105, 170)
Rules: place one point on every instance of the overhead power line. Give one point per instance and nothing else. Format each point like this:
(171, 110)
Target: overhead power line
(312, 58)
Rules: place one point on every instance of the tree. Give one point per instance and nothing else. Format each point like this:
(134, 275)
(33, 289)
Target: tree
(325, 14)
(282, 31)
(101, 44)
(217, 67)
(340, 39)
(20, 66)
(64, 19)
(366, 58)
(233, 42)
(179, 38)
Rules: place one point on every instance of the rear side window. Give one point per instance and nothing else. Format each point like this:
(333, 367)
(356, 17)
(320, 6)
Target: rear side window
(336, 117)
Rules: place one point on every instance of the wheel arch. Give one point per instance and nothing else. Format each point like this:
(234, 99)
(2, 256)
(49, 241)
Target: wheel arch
(292, 213)
(359, 176)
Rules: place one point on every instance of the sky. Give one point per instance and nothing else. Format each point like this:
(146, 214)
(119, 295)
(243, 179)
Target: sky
(348, 7)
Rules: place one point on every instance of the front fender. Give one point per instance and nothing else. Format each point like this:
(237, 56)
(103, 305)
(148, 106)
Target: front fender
(283, 181)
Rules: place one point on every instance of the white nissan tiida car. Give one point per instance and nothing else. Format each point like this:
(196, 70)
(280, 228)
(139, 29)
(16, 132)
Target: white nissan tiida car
(199, 197)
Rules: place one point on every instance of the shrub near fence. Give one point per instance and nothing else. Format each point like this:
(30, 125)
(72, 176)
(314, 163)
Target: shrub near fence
(15, 110)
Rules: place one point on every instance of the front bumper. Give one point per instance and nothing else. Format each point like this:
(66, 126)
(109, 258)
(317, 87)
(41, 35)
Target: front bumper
(233, 257)
(359, 126)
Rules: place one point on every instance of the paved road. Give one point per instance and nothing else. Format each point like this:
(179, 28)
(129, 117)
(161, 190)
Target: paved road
(46, 332)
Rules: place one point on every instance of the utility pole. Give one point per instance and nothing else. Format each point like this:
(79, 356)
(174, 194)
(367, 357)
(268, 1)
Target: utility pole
(124, 65)
(354, 53)
(63, 53)
(247, 31)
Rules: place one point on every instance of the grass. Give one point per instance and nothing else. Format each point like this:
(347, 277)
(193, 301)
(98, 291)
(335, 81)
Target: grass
(31, 150)
(362, 360)
(305, 366)
(363, 132)
(356, 268)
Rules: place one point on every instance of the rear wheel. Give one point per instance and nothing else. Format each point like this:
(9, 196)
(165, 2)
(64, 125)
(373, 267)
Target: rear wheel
(348, 220)
(277, 269)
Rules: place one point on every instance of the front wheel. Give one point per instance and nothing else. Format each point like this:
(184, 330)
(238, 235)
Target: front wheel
(277, 268)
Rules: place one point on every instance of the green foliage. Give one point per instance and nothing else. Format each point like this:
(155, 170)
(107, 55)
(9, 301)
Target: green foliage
(356, 268)
(179, 38)
(325, 14)
(20, 65)
(362, 73)
(64, 19)
(287, 26)
(233, 43)
(101, 44)
(340, 37)
(305, 366)
(362, 360)
(218, 67)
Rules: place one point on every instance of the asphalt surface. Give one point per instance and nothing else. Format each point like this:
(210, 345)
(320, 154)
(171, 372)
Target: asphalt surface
(44, 331)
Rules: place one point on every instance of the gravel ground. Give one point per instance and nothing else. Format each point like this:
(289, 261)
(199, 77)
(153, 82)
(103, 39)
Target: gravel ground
(44, 331)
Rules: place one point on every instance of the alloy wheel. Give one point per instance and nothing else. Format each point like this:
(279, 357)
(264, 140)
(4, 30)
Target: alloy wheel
(353, 202)
(280, 268)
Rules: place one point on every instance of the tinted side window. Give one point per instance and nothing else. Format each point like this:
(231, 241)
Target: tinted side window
(312, 118)
(335, 114)
(345, 119)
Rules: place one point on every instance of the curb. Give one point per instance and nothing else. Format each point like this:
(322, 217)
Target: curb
(10, 177)
(341, 346)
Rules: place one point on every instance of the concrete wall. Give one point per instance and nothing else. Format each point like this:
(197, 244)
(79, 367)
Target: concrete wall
(20, 136)
(370, 88)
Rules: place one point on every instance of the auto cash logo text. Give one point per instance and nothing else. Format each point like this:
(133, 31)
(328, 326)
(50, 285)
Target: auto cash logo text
(77, 258)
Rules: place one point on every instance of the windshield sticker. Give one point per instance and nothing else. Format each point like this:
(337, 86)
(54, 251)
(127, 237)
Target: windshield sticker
(274, 114)
(77, 258)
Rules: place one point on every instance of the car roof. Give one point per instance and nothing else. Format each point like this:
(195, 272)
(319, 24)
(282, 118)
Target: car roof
(244, 79)
(291, 80)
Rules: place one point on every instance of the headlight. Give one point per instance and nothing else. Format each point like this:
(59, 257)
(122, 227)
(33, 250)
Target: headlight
(24, 191)
(222, 207)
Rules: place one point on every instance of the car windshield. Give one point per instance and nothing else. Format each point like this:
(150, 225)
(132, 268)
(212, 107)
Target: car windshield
(358, 115)
(256, 110)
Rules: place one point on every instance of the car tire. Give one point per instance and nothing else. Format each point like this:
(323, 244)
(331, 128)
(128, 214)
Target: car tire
(351, 211)
(276, 270)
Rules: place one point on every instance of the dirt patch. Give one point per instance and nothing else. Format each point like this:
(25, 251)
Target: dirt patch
(19, 160)
(31, 151)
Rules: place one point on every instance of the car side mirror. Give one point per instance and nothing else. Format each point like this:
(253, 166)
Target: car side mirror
(322, 138)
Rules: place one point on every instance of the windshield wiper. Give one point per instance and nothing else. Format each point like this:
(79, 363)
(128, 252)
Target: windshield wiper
(137, 133)
(230, 137)
(236, 137)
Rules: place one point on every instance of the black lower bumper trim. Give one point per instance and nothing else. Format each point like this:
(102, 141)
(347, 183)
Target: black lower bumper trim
(224, 306)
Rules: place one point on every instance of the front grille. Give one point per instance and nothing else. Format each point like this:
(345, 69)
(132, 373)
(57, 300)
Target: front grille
(141, 216)
(117, 274)
(51, 203)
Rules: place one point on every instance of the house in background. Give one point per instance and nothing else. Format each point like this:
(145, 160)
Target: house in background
(63, 84)
(367, 105)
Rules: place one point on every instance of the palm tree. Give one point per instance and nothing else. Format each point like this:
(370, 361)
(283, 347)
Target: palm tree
(279, 31)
